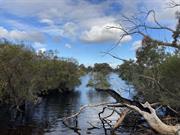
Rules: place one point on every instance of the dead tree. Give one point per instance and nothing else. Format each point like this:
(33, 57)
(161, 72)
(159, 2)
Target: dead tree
(138, 25)
(147, 111)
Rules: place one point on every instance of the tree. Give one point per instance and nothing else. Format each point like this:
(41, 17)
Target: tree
(82, 69)
(155, 74)
(25, 75)
(16, 73)
(104, 68)
(100, 76)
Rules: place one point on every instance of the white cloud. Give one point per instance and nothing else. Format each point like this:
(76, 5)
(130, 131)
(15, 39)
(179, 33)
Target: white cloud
(102, 34)
(70, 29)
(54, 9)
(41, 50)
(136, 45)
(17, 35)
(162, 10)
(80, 10)
(68, 46)
(53, 31)
(100, 21)
(39, 47)
(47, 21)
(3, 32)
(66, 18)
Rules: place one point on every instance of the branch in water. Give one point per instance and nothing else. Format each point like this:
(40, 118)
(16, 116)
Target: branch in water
(147, 112)
(83, 107)
(120, 99)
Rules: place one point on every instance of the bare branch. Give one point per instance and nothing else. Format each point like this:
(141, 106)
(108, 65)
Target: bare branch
(173, 4)
(137, 26)
(147, 112)
(83, 107)
(120, 119)
(124, 60)
(74, 128)
(123, 100)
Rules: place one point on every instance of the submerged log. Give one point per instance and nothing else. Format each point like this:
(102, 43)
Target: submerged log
(147, 112)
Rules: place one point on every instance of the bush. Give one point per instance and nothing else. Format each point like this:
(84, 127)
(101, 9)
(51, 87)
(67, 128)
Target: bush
(24, 74)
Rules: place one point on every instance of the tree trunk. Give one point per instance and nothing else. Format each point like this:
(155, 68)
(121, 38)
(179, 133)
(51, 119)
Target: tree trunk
(154, 121)
(147, 112)
(120, 119)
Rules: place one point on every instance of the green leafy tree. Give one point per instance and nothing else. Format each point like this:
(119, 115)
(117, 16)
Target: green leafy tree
(24, 74)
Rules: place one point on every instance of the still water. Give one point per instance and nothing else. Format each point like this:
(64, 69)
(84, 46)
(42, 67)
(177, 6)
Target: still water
(45, 118)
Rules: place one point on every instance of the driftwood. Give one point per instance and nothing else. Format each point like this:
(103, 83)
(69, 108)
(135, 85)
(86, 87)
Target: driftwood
(147, 112)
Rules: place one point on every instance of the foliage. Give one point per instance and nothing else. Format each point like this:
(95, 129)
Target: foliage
(104, 68)
(170, 78)
(24, 73)
(100, 76)
(99, 80)
(82, 69)
(155, 74)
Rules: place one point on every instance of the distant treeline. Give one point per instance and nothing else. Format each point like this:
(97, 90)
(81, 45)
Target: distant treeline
(99, 76)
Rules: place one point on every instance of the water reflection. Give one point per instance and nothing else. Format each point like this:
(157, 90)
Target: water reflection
(121, 86)
(46, 117)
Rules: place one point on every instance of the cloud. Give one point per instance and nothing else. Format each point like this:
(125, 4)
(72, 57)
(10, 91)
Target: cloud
(80, 10)
(17, 35)
(47, 21)
(70, 29)
(3, 32)
(102, 34)
(54, 9)
(68, 46)
(136, 45)
(66, 18)
(39, 47)
(41, 50)
(53, 31)
(162, 11)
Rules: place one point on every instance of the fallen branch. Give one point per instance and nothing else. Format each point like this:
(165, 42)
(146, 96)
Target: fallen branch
(147, 112)
(120, 119)
(83, 107)
(74, 128)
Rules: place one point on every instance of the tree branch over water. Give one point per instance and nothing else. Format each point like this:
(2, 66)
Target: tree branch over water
(147, 112)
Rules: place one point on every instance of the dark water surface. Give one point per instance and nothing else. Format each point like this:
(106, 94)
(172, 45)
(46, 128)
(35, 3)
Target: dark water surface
(45, 118)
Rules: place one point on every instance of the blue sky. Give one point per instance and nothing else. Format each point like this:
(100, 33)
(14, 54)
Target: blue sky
(78, 28)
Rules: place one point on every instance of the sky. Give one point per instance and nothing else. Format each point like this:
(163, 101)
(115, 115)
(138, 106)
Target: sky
(78, 28)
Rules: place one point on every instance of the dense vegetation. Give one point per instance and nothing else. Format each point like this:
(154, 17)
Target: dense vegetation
(155, 74)
(25, 74)
(100, 73)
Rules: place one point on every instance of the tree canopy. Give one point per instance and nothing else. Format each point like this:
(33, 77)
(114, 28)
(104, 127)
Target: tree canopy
(25, 74)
